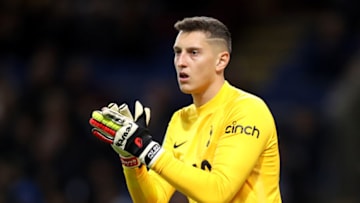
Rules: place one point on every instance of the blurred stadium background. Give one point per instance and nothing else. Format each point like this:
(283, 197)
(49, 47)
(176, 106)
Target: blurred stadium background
(61, 59)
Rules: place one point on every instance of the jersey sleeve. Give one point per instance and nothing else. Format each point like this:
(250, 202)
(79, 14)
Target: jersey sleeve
(237, 152)
(146, 185)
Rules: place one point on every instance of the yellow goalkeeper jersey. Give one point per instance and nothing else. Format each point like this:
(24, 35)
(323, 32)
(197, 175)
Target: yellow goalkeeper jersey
(224, 151)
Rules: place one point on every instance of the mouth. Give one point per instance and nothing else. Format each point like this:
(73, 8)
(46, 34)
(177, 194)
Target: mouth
(183, 77)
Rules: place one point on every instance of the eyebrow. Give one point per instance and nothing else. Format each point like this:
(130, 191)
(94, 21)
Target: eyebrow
(186, 48)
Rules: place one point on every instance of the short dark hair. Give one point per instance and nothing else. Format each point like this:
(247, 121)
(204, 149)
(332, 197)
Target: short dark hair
(213, 27)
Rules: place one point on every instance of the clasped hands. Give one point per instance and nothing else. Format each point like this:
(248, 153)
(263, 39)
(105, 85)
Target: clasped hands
(128, 135)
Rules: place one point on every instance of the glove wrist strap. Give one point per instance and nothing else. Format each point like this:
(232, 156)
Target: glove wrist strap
(130, 162)
(151, 153)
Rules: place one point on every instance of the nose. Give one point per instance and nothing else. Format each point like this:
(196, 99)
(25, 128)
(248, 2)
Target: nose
(180, 60)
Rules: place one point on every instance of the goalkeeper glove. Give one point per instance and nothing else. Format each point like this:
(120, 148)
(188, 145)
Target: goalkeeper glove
(133, 136)
(106, 133)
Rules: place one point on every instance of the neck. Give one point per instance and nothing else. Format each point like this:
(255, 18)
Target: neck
(202, 98)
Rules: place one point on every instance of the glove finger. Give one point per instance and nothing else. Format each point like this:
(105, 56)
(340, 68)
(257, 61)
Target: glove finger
(102, 136)
(147, 115)
(142, 115)
(98, 116)
(115, 116)
(124, 110)
(139, 109)
(110, 131)
(113, 106)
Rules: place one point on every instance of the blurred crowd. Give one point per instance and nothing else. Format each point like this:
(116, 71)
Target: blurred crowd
(61, 59)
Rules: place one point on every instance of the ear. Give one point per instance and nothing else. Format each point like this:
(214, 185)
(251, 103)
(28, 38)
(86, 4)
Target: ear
(223, 60)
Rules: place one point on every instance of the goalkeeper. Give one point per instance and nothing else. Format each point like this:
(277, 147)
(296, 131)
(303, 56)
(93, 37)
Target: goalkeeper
(221, 148)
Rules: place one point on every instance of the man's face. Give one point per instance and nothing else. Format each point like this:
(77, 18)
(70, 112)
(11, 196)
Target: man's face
(195, 62)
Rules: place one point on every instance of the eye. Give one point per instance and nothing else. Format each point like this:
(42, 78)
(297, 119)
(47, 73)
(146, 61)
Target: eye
(177, 51)
(194, 52)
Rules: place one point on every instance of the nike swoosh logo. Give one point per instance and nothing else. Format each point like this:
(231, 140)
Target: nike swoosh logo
(178, 145)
